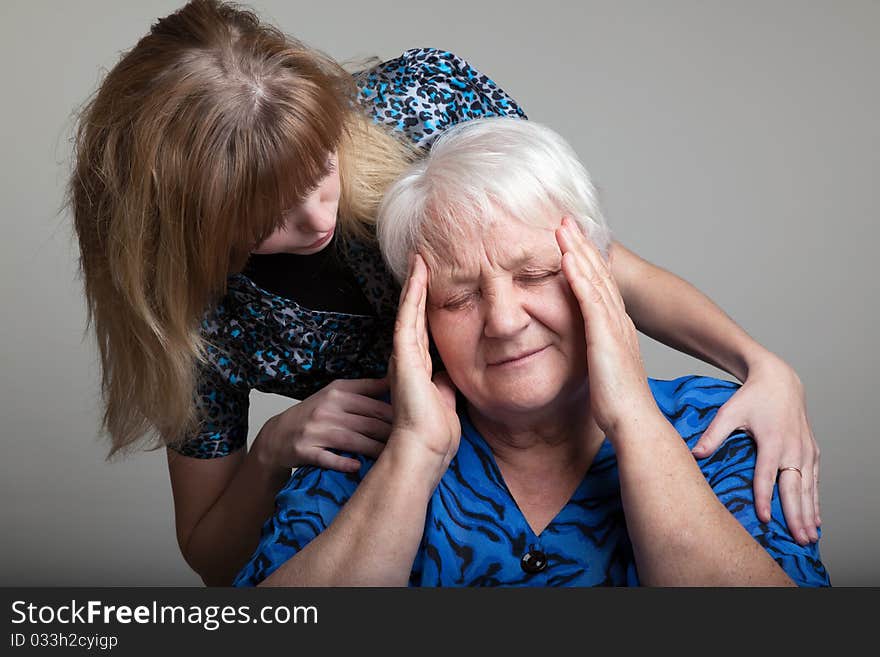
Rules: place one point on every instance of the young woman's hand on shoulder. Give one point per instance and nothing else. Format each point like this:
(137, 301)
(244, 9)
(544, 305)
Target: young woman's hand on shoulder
(346, 415)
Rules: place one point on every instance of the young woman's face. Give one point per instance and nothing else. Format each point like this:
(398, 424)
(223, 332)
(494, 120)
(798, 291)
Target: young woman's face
(308, 227)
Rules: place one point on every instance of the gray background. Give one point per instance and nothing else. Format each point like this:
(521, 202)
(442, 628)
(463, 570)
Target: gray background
(734, 143)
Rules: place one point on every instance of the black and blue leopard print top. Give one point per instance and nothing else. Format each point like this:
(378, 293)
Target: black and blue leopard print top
(476, 535)
(260, 340)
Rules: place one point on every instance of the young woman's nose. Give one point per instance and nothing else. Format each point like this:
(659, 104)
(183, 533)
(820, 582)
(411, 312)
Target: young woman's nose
(314, 218)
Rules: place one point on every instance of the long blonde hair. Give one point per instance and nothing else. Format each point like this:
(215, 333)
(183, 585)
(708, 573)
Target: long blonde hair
(185, 158)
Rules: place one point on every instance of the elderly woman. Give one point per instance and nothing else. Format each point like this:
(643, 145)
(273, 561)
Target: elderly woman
(558, 462)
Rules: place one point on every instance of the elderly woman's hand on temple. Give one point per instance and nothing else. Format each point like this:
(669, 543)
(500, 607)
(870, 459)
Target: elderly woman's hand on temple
(424, 405)
(770, 405)
(619, 391)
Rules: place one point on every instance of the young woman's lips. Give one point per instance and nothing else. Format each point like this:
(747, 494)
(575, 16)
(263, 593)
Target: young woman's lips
(518, 359)
(323, 240)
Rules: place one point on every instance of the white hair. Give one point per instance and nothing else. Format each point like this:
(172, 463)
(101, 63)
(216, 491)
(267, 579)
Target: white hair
(475, 169)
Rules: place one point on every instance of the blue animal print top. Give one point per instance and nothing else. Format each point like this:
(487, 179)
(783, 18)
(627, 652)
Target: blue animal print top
(259, 340)
(475, 535)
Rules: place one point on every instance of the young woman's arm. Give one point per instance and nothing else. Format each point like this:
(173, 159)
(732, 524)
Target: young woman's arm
(771, 403)
(220, 504)
(219, 507)
(674, 312)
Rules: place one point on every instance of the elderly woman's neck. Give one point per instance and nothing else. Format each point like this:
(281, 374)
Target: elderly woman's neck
(558, 440)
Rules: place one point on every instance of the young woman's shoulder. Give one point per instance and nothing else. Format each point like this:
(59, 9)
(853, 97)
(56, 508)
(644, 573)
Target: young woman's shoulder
(425, 90)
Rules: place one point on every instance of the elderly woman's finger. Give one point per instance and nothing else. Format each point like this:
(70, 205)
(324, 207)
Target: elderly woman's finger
(596, 264)
(405, 286)
(588, 294)
(816, 506)
(580, 266)
(585, 245)
(405, 325)
(421, 320)
(585, 248)
(595, 310)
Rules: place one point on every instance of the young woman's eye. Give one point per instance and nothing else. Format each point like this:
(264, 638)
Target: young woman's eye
(328, 169)
(312, 188)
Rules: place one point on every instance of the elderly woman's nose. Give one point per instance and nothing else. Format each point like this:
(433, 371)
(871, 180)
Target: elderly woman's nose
(504, 314)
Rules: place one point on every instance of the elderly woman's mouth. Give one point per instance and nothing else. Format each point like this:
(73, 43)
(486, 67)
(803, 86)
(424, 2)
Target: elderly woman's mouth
(518, 359)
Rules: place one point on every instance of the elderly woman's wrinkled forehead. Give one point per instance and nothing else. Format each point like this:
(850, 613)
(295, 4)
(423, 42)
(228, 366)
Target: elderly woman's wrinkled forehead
(502, 242)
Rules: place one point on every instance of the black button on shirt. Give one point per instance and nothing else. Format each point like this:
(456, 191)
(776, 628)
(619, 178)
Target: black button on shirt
(533, 562)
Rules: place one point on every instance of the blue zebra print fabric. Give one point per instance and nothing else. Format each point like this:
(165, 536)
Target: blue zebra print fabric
(475, 535)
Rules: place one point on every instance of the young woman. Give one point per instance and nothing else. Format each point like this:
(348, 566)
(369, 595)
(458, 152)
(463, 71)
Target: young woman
(224, 193)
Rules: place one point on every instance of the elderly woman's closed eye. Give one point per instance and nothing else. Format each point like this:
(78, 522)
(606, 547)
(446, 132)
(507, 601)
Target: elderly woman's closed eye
(557, 462)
